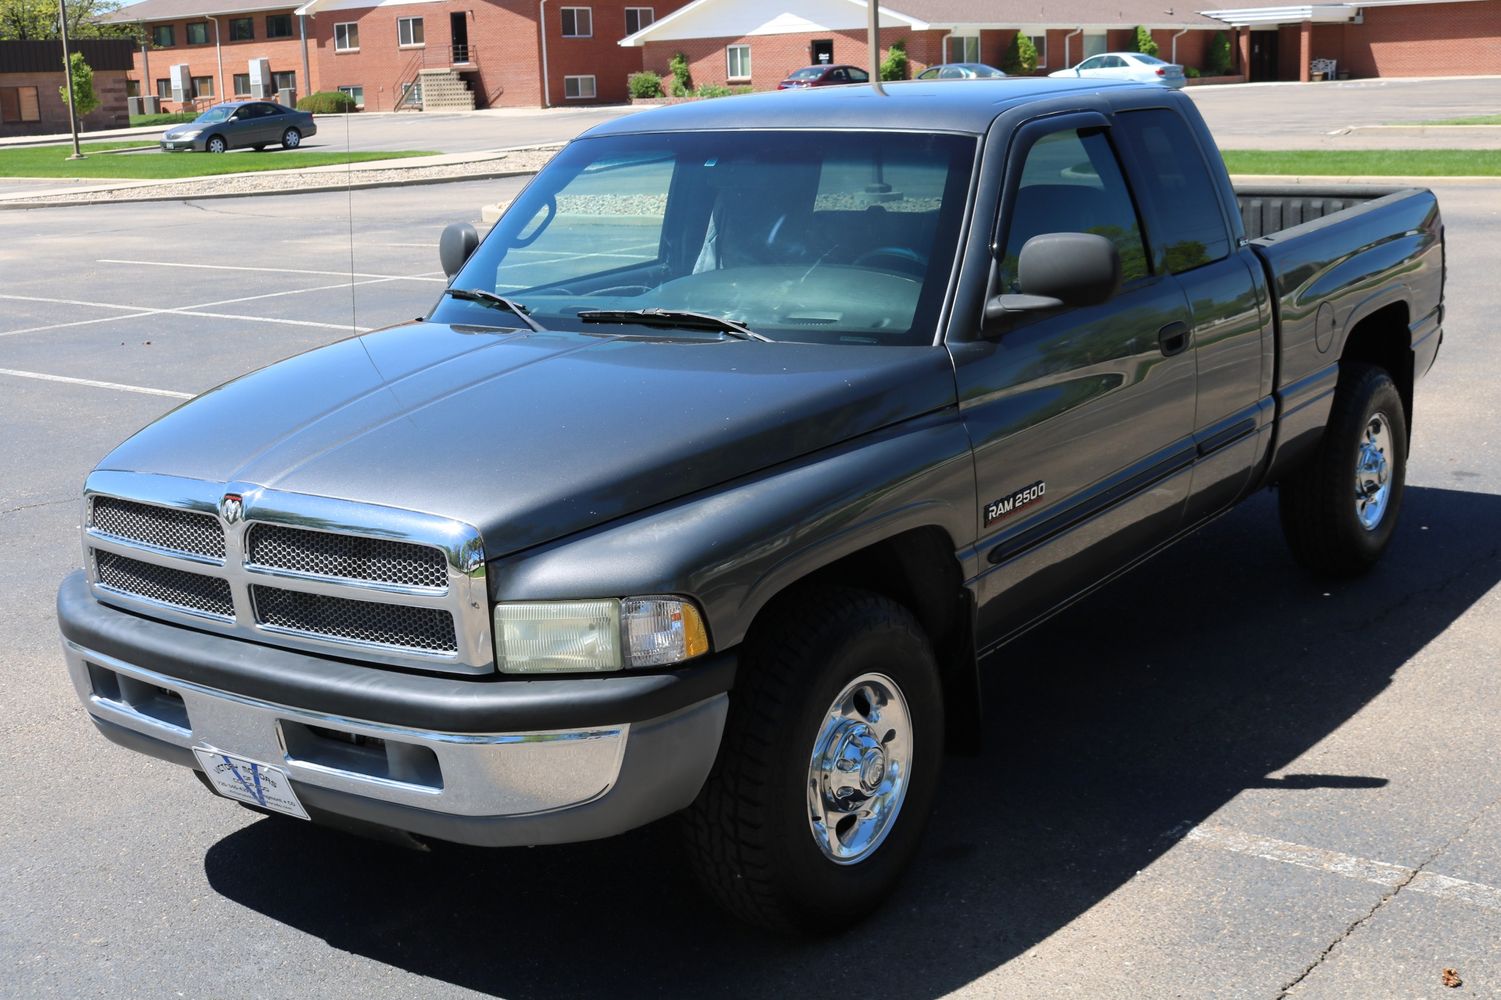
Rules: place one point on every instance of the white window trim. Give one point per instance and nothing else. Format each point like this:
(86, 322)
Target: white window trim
(965, 35)
(575, 10)
(730, 73)
(348, 48)
(650, 10)
(410, 45)
(581, 96)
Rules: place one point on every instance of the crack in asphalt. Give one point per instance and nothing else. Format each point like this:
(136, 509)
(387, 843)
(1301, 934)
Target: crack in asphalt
(1389, 895)
(33, 506)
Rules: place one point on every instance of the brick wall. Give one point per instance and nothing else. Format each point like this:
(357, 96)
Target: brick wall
(775, 56)
(109, 88)
(1455, 39)
(203, 60)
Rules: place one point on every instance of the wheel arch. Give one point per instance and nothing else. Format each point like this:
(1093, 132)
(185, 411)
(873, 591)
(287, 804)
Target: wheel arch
(1380, 334)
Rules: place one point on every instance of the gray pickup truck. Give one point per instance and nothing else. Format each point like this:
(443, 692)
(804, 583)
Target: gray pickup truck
(726, 460)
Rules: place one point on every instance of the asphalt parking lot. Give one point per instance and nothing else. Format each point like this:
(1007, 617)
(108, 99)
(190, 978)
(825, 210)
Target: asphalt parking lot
(1215, 778)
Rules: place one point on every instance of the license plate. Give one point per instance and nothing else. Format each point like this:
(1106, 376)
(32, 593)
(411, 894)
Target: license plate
(249, 781)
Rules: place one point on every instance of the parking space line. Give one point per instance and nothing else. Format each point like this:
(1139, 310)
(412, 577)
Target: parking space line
(74, 302)
(1382, 873)
(425, 276)
(267, 319)
(146, 390)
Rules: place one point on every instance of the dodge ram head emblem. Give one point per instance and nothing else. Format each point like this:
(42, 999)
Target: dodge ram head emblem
(231, 508)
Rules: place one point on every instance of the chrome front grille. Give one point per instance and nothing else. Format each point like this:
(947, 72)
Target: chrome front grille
(167, 528)
(356, 621)
(372, 583)
(193, 592)
(347, 557)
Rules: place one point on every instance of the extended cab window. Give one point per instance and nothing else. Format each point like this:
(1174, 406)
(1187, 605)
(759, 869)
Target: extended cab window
(784, 232)
(1187, 226)
(1071, 183)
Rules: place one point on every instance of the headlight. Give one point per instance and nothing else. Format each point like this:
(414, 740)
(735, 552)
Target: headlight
(592, 636)
(187, 135)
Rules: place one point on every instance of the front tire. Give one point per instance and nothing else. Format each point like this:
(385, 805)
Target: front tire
(291, 139)
(1339, 511)
(215, 144)
(828, 767)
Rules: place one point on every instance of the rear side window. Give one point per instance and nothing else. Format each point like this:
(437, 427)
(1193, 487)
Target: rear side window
(1071, 183)
(1188, 227)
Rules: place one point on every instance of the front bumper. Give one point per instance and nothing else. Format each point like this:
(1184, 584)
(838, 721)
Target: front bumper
(182, 145)
(478, 761)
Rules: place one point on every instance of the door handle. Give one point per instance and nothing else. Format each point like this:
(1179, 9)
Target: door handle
(1173, 339)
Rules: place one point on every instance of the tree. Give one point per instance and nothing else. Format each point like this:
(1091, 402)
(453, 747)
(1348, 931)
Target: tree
(21, 20)
(84, 100)
(1021, 56)
(682, 80)
(1218, 62)
(1145, 43)
(894, 66)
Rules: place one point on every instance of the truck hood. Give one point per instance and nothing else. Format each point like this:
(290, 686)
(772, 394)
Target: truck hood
(532, 436)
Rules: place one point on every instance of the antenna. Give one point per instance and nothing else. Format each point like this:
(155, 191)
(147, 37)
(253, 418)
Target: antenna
(354, 326)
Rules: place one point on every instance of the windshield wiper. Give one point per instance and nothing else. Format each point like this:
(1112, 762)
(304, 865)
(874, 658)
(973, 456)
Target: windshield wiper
(491, 299)
(678, 319)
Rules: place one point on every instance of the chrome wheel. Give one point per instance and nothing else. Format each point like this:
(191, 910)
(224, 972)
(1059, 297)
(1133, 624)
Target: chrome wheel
(1373, 471)
(859, 770)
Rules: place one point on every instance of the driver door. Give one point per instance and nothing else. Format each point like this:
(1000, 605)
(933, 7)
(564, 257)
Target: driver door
(1081, 418)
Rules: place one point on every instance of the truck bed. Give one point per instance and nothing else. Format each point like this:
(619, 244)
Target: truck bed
(1267, 209)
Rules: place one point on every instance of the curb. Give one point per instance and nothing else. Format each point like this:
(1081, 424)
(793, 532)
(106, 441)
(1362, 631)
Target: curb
(316, 189)
(1365, 180)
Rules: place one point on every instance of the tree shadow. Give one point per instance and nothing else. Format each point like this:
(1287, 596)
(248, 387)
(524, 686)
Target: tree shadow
(1109, 731)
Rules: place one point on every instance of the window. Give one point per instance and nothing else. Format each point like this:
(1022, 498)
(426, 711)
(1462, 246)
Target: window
(164, 89)
(242, 84)
(197, 33)
(358, 93)
(1040, 43)
(162, 36)
(347, 37)
(1094, 43)
(578, 87)
(285, 80)
(578, 22)
(1071, 183)
(278, 25)
(203, 86)
(242, 29)
(961, 48)
(409, 31)
(1188, 227)
(132, 88)
(637, 18)
(739, 60)
(19, 104)
(857, 75)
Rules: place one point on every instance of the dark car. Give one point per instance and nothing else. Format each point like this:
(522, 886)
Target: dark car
(824, 76)
(961, 71)
(236, 124)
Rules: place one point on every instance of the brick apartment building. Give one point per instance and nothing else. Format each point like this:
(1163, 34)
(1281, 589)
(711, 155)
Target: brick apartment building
(751, 42)
(376, 51)
(31, 74)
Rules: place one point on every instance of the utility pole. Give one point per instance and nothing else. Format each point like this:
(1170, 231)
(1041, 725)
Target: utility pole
(62, 16)
(873, 29)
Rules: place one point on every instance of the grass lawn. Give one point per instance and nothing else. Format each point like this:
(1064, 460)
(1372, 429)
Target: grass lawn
(175, 118)
(1367, 162)
(1471, 120)
(52, 161)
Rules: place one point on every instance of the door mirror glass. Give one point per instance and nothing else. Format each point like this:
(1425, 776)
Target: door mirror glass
(455, 245)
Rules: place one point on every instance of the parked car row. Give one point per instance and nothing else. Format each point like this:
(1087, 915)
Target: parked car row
(1134, 66)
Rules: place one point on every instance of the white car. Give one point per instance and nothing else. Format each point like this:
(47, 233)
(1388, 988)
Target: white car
(1128, 66)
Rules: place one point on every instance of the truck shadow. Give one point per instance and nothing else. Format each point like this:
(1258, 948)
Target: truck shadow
(1110, 731)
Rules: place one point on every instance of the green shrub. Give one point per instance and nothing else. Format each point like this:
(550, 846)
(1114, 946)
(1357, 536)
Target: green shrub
(1191, 72)
(712, 90)
(1219, 61)
(682, 80)
(1021, 56)
(1145, 43)
(644, 85)
(894, 66)
(327, 102)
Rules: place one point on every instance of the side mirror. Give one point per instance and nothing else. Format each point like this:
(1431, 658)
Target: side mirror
(1061, 269)
(455, 245)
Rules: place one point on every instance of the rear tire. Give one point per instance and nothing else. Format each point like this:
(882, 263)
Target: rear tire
(812, 812)
(291, 139)
(1339, 511)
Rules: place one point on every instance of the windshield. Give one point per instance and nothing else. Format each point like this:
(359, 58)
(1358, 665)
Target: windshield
(808, 73)
(801, 236)
(212, 115)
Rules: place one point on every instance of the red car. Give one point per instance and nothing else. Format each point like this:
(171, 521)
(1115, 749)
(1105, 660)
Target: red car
(824, 76)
